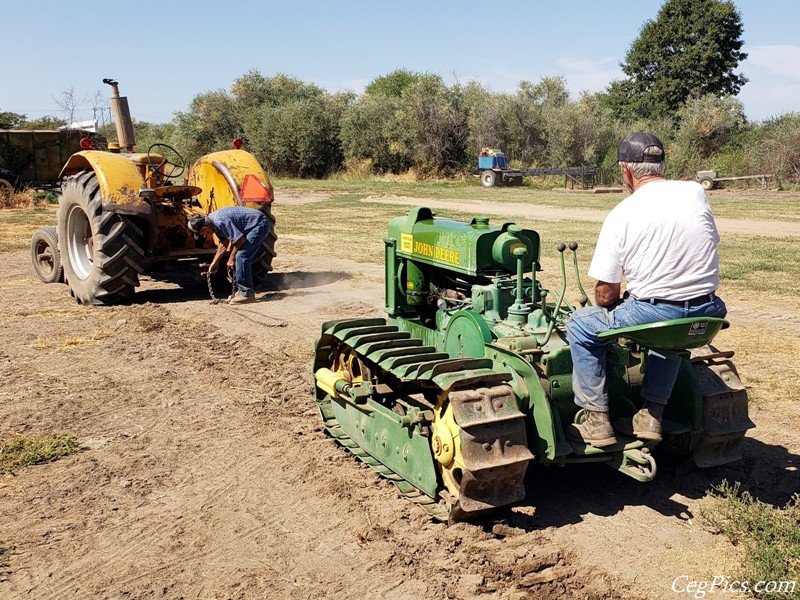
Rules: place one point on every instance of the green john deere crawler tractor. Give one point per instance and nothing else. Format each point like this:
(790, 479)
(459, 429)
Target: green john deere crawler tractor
(468, 380)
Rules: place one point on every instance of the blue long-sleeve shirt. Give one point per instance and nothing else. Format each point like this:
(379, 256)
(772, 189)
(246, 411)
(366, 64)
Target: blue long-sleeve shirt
(233, 222)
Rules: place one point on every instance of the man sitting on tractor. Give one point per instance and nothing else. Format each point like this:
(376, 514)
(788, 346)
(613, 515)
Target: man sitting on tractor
(245, 229)
(663, 240)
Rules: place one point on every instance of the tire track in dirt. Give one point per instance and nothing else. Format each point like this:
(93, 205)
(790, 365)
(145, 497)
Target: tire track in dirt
(209, 474)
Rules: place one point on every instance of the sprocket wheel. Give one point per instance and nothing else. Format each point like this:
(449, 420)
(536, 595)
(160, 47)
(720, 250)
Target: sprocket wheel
(446, 447)
(346, 362)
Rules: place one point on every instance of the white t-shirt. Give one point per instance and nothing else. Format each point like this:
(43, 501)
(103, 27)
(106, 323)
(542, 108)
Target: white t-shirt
(663, 240)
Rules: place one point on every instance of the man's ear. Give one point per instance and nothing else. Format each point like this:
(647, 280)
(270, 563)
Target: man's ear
(627, 177)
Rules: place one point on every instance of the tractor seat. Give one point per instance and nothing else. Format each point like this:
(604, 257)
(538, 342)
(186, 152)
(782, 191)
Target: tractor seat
(670, 336)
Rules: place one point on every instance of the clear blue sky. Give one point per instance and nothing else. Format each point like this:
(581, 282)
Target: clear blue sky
(165, 53)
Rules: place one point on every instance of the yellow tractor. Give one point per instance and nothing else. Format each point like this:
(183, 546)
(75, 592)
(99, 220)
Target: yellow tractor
(123, 213)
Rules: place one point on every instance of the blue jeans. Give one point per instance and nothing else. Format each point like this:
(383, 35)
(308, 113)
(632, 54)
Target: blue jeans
(244, 257)
(589, 352)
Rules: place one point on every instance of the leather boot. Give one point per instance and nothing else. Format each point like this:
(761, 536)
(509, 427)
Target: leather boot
(595, 430)
(645, 424)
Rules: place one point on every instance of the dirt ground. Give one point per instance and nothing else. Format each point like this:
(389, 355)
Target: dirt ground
(206, 474)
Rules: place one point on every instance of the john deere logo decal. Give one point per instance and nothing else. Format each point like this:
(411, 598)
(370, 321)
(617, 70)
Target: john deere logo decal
(698, 328)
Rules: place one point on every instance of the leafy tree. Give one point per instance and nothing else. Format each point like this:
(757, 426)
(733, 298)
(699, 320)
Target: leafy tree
(148, 134)
(581, 132)
(299, 138)
(253, 90)
(371, 129)
(706, 125)
(209, 125)
(290, 126)
(524, 120)
(778, 152)
(11, 120)
(433, 115)
(46, 122)
(424, 127)
(483, 119)
(691, 49)
(393, 84)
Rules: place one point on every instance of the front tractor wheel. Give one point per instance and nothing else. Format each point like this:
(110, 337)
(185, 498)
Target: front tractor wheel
(101, 251)
(45, 255)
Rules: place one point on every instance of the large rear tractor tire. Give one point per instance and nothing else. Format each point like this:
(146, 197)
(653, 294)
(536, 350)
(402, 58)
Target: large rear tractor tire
(102, 252)
(45, 255)
(262, 263)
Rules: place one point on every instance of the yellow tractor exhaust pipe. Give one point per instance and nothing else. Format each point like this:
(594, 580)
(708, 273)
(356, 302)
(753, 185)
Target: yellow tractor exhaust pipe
(122, 117)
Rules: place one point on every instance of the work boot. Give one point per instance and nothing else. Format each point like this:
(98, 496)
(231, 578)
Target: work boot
(240, 298)
(645, 424)
(595, 430)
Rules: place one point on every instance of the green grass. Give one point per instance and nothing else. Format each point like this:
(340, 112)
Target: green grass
(758, 264)
(345, 226)
(770, 536)
(760, 206)
(20, 451)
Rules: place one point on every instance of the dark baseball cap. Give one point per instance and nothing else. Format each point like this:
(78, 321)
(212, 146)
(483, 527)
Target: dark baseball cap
(195, 224)
(640, 147)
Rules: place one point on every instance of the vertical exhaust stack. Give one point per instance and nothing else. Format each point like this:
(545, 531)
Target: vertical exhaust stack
(122, 118)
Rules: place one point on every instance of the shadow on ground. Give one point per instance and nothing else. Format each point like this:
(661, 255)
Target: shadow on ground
(565, 495)
(182, 286)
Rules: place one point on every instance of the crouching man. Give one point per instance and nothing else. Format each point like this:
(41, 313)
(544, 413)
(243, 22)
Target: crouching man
(245, 229)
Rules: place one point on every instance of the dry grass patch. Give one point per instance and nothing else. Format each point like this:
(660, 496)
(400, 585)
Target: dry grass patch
(18, 224)
(149, 318)
(769, 535)
(77, 340)
(738, 204)
(766, 360)
(22, 199)
(73, 312)
(41, 343)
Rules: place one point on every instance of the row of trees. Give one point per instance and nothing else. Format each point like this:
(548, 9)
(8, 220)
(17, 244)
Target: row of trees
(681, 84)
(411, 121)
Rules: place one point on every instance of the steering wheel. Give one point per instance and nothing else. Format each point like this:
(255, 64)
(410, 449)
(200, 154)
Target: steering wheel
(173, 163)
